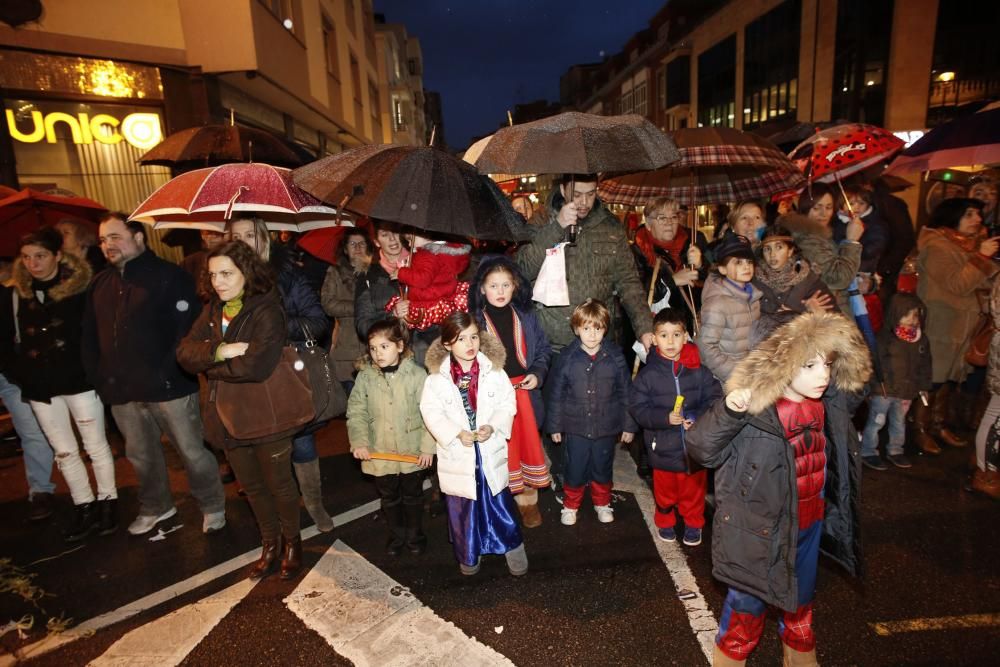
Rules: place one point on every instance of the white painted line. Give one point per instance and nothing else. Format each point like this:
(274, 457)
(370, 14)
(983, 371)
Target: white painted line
(87, 628)
(700, 617)
(166, 641)
(939, 623)
(370, 619)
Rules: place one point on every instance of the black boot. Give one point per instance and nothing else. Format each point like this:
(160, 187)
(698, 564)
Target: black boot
(84, 524)
(416, 541)
(107, 516)
(397, 528)
(291, 558)
(269, 552)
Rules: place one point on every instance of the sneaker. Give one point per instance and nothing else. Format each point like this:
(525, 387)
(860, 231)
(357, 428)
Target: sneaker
(604, 513)
(517, 561)
(567, 516)
(668, 534)
(147, 522)
(213, 522)
(692, 536)
(469, 570)
(899, 460)
(874, 462)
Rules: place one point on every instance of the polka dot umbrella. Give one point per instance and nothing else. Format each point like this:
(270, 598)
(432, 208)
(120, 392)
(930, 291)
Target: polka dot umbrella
(842, 150)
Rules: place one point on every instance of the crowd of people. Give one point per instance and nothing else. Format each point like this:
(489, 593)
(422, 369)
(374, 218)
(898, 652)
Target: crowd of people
(758, 357)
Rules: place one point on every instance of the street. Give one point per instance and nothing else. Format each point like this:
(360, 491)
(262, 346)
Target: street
(595, 593)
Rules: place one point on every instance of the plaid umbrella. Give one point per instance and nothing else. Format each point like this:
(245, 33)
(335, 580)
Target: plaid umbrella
(970, 140)
(418, 186)
(842, 150)
(577, 143)
(715, 165)
(219, 144)
(207, 198)
(27, 210)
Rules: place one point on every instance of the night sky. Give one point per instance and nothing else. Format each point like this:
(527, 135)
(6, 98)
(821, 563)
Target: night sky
(484, 56)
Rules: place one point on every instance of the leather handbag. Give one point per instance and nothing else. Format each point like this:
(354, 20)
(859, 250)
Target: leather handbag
(978, 353)
(328, 395)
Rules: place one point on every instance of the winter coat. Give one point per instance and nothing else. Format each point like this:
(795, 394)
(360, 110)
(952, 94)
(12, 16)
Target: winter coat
(599, 266)
(949, 278)
(905, 367)
(836, 264)
(728, 317)
(538, 352)
(433, 272)
(47, 361)
(874, 240)
(303, 311)
(373, 290)
(652, 398)
(756, 524)
(646, 252)
(383, 414)
(133, 322)
(337, 298)
(782, 302)
(444, 415)
(897, 218)
(261, 323)
(589, 397)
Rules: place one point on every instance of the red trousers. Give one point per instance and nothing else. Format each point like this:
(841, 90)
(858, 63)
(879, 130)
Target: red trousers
(600, 495)
(683, 491)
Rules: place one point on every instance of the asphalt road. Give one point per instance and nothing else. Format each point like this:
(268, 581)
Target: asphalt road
(596, 594)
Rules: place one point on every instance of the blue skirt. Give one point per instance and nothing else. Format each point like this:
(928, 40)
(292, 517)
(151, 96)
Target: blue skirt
(485, 525)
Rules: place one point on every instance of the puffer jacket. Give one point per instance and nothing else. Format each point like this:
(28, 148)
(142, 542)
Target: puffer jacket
(589, 397)
(47, 363)
(337, 298)
(993, 371)
(836, 264)
(433, 272)
(444, 415)
(383, 414)
(652, 397)
(756, 524)
(303, 312)
(599, 266)
(949, 278)
(728, 317)
(905, 367)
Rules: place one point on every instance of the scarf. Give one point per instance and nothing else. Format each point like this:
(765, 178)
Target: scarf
(232, 308)
(784, 279)
(673, 250)
(467, 383)
(907, 334)
(966, 243)
(404, 260)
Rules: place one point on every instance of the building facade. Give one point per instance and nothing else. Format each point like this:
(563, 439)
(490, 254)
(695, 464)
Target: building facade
(402, 60)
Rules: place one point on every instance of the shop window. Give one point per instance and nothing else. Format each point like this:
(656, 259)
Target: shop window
(771, 63)
(717, 85)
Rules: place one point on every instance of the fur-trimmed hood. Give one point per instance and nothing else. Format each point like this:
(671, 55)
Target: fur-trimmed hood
(446, 248)
(489, 263)
(770, 368)
(74, 277)
(489, 345)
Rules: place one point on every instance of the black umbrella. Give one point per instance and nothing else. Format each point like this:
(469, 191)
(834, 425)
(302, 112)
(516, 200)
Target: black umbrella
(211, 145)
(421, 187)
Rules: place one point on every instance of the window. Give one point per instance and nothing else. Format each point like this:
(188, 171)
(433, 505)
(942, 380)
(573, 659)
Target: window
(661, 88)
(717, 85)
(285, 10)
(414, 67)
(352, 12)
(330, 47)
(398, 114)
(627, 102)
(678, 84)
(373, 99)
(355, 77)
(771, 64)
(639, 99)
(861, 53)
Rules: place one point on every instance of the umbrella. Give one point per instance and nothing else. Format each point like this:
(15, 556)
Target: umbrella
(422, 187)
(473, 152)
(788, 135)
(28, 210)
(219, 144)
(970, 140)
(207, 198)
(324, 243)
(716, 165)
(842, 150)
(577, 143)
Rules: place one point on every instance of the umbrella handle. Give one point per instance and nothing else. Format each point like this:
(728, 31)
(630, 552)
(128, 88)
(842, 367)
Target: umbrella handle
(232, 201)
(850, 209)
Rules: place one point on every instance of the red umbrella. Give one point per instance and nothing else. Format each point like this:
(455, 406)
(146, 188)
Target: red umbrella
(217, 144)
(207, 198)
(324, 243)
(28, 210)
(842, 150)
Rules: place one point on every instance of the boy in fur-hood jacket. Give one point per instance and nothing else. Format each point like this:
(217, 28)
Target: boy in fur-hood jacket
(787, 479)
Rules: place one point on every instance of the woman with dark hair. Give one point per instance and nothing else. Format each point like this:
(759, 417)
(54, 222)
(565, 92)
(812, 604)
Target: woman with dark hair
(238, 338)
(50, 289)
(955, 260)
(354, 258)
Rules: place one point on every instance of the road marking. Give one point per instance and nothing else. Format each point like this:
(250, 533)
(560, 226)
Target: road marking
(939, 623)
(370, 619)
(87, 628)
(168, 640)
(700, 617)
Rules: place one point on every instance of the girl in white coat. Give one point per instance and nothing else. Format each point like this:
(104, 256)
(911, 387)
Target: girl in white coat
(468, 406)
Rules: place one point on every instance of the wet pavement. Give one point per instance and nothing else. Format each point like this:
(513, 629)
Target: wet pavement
(596, 594)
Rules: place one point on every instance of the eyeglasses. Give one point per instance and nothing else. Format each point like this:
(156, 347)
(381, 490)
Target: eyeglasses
(667, 218)
(356, 244)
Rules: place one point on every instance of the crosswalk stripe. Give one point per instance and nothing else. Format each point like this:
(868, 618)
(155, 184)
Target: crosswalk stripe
(166, 641)
(940, 623)
(370, 619)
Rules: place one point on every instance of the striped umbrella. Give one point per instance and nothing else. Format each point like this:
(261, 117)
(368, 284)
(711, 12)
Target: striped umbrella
(968, 141)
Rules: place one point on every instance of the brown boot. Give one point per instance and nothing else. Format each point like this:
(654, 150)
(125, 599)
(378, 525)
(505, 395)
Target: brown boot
(939, 418)
(792, 658)
(720, 659)
(527, 504)
(291, 559)
(268, 559)
(987, 482)
(921, 424)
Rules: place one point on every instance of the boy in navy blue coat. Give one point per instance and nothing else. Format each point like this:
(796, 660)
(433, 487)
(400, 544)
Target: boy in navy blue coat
(587, 409)
(673, 368)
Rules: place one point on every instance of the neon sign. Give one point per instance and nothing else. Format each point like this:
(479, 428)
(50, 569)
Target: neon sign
(142, 130)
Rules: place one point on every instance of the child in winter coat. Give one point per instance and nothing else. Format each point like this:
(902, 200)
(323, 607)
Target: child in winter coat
(431, 279)
(383, 420)
(671, 391)
(588, 404)
(730, 307)
(786, 477)
(501, 300)
(904, 355)
(468, 405)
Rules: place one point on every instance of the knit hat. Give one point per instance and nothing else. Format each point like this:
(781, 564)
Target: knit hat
(733, 245)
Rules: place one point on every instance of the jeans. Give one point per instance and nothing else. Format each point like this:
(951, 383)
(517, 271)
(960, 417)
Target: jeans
(304, 448)
(38, 454)
(142, 424)
(265, 473)
(881, 408)
(56, 419)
